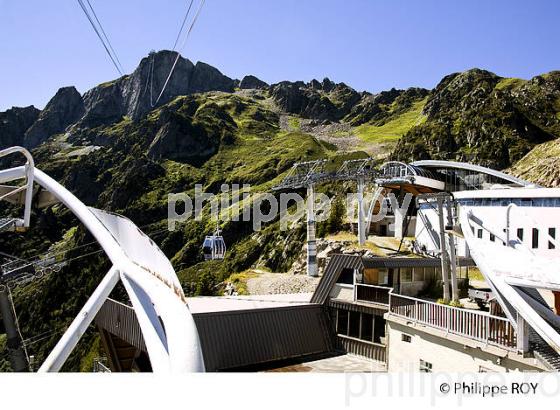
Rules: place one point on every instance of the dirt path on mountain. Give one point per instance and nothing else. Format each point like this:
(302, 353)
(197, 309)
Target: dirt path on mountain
(273, 283)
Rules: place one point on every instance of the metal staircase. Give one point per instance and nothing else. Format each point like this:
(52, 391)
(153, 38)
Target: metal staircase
(543, 352)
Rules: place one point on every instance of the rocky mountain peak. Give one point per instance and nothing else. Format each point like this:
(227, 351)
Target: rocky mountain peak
(252, 82)
(136, 94)
(13, 124)
(65, 108)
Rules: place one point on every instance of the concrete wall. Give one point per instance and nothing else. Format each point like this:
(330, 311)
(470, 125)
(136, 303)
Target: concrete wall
(446, 353)
(411, 288)
(342, 291)
(388, 221)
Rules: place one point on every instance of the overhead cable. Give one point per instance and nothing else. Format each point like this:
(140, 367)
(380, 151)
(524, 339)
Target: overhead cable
(100, 36)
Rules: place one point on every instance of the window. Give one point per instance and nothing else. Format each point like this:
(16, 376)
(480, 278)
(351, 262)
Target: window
(383, 277)
(406, 338)
(346, 276)
(552, 234)
(417, 274)
(492, 237)
(429, 273)
(406, 274)
(535, 243)
(378, 329)
(367, 327)
(342, 322)
(520, 234)
(354, 329)
(479, 234)
(425, 367)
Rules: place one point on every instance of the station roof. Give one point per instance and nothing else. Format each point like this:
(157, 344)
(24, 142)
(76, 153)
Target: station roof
(207, 304)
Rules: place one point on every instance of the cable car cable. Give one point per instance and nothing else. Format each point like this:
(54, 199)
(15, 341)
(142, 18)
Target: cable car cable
(182, 25)
(178, 54)
(82, 5)
(105, 35)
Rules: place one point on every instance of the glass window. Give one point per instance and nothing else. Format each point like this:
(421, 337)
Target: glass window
(406, 338)
(429, 272)
(383, 277)
(492, 237)
(425, 367)
(378, 329)
(346, 276)
(342, 322)
(354, 329)
(367, 327)
(552, 234)
(418, 274)
(520, 234)
(406, 274)
(535, 242)
(479, 234)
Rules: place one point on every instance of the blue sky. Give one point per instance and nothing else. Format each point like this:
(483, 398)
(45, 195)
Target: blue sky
(371, 45)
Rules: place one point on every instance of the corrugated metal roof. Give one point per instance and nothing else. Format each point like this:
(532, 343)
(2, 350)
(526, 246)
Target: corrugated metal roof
(388, 262)
(240, 338)
(120, 320)
(336, 264)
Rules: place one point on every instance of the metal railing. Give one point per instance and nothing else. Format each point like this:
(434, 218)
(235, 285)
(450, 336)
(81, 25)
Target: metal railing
(29, 170)
(372, 293)
(100, 365)
(480, 326)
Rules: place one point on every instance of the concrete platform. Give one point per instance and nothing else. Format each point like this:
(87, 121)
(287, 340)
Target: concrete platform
(345, 363)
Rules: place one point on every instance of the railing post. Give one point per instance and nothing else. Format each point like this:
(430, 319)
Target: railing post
(448, 319)
(416, 311)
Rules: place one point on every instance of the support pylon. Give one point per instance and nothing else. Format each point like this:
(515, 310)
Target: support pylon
(14, 343)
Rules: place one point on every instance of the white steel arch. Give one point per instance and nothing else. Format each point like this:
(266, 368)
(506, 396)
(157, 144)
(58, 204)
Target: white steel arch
(470, 167)
(167, 325)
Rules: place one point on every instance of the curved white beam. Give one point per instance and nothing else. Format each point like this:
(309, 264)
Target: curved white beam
(471, 167)
(154, 290)
(497, 268)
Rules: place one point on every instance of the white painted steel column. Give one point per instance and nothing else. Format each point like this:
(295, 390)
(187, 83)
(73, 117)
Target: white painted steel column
(311, 242)
(361, 214)
(78, 327)
(400, 215)
(453, 256)
(443, 250)
(522, 334)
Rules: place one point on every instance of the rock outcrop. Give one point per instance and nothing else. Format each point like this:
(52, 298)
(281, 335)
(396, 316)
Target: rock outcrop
(137, 94)
(191, 139)
(14, 123)
(477, 116)
(251, 82)
(65, 108)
